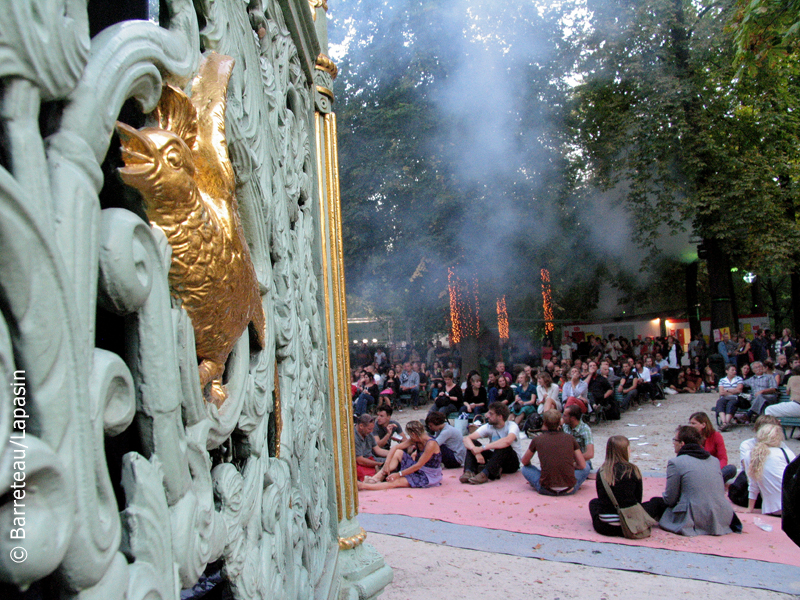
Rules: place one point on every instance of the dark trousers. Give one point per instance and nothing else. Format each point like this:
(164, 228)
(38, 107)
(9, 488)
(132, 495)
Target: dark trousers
(654, 507)
(504, 458)
(449, 459)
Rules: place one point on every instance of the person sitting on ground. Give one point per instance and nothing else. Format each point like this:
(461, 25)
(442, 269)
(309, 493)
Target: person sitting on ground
(386, 430)
(500, 455)
(625, 481)
(524, 400)
(425, 471)
(450, 440)
(546, 393)
(583, 435)
(765, 465)
(366, 459)
(628, 386)
(738, 491)
(693, 379)
(560, 457)
(763, 390)
(713, 443)
(475, 399)
(450, 398)
(576, 391)
(789, 409)
(730, 387)
(694, 501)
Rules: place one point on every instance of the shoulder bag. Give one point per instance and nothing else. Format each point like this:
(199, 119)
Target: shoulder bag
(634, 520)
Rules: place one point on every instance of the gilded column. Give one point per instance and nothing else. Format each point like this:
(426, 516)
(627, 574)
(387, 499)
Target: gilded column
(363, 572)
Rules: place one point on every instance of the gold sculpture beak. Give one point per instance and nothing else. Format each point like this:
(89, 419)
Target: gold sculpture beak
(137, 151)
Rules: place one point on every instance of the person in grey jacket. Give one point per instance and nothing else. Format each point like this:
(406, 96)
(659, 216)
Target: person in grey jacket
(694, 501)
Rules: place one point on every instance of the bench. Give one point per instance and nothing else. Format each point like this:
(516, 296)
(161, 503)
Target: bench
(789, 422)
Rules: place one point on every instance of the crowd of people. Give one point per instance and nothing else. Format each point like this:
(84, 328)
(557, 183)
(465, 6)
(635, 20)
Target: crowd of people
(573, 391)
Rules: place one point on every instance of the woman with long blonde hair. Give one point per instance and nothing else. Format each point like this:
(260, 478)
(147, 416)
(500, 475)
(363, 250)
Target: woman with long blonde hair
(764, 466)
(625, 481)
(403, 470)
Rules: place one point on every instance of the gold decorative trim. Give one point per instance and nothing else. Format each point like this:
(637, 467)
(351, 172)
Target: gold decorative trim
(277, 413)
(315, 4)
(352, 541)
(325, 91)
(324, 63)
(337, 463)
(340, 312)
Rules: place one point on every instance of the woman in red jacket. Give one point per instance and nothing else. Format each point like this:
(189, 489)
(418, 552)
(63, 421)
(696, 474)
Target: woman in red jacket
(713, 443)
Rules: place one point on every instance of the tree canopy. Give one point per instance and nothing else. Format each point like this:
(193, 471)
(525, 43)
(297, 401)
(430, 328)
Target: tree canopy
(500, 138)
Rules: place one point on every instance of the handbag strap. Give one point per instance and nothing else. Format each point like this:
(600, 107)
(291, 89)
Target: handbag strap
(786, 456)
(608, 491)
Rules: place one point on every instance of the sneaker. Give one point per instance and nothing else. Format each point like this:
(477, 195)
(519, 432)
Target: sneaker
(466, 476)
(480, 478)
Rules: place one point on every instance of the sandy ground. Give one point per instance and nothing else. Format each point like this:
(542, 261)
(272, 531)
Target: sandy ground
(421, 570)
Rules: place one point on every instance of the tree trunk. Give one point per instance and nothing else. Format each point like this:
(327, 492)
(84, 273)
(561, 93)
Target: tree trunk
(795, 278)
(734, 302)
(755, 295)
(468, 348)
(719, 273)
(692, 305)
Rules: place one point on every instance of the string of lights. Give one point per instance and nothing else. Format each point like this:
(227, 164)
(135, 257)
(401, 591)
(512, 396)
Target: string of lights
(464, 307)
(502, 318)
(547, 302)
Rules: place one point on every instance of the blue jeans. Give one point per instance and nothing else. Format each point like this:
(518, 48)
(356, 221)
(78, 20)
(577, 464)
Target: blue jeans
(534, 474)
(582, 474)
(360, 403)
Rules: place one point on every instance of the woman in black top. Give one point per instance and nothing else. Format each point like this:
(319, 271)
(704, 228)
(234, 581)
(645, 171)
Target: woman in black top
(450, 398)
(625, 480)
(475, 400)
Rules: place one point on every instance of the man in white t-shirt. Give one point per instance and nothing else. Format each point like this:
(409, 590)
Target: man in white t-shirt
(501, 455)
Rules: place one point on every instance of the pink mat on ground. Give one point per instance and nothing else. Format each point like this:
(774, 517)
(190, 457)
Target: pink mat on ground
(510, 504)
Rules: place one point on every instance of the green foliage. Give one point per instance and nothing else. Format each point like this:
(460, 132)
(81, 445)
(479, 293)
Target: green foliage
(662, 111)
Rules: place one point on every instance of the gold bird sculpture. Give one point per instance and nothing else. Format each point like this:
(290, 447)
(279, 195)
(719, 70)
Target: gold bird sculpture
(185, 177)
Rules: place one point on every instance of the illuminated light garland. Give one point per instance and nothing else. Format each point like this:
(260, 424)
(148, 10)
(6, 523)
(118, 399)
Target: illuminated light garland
(547, 302)
(464, 307)
(502, 318)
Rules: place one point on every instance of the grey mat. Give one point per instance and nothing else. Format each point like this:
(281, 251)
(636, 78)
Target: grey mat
(685, 565)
